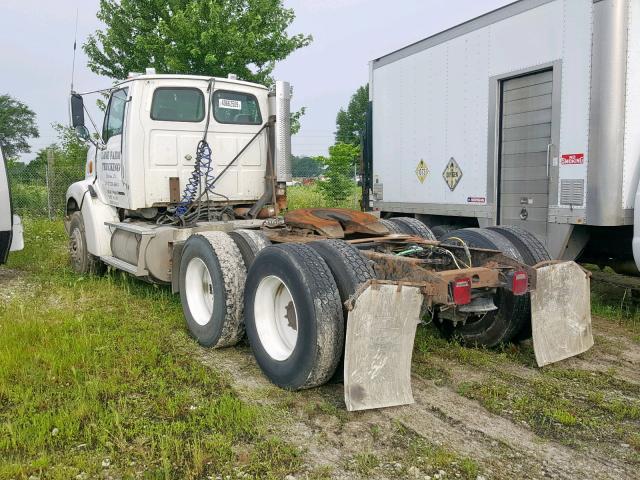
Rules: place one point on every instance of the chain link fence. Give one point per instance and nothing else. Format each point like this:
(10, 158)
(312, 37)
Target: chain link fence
(38, 188)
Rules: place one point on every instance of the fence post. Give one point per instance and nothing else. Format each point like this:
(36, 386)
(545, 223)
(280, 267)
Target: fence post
(49, 180)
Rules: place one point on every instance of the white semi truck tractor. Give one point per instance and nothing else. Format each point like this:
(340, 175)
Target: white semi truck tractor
(528, 116)
(186, 186)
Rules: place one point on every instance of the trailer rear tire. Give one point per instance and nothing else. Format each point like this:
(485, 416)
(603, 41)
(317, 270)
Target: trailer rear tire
(293, 316)
(533, 251)
(498, 326)
(249, 242)
(413, 226)
(82, 261)
(212, 278)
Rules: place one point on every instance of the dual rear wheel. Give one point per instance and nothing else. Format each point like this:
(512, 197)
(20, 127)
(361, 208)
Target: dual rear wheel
(289, 298)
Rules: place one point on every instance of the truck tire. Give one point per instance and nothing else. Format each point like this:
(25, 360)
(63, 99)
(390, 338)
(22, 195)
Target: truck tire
(212, 278)
(391, 226)
(441, 230)
(249, 242)
(348, 267)
(350, 271)
(413, 226)
(82, 261)
(293, 316)
(501, 325)
(533, 251)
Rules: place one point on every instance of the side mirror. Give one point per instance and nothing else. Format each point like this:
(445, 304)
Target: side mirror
(77, 111)
(83, 133)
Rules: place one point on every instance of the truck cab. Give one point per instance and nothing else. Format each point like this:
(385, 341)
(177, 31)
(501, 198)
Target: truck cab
(11, 237)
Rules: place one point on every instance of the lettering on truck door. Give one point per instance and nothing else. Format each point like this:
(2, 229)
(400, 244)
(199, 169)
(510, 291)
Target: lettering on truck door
(111, 165)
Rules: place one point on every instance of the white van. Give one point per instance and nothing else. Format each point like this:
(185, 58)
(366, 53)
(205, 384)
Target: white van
(11, 234)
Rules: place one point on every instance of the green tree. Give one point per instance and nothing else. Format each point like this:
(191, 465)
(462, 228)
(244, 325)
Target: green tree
(200, 37)
(350, 123)
(305, 167)
(338, 183)
(17, 125)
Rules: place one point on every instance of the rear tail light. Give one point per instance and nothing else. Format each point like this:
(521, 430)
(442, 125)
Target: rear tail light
(462, 291)
(519, 282)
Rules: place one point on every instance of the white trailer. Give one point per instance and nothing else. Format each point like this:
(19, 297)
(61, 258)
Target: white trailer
(528, 116)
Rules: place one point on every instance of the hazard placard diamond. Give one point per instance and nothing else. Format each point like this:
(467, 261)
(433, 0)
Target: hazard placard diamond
(452, 174)
(422, 171)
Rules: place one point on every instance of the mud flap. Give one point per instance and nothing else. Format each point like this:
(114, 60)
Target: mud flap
(381, 329)
(561, 313)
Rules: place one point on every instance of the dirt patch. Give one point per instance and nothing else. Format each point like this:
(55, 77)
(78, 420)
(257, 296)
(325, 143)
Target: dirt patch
(460, 438)
(13, 284)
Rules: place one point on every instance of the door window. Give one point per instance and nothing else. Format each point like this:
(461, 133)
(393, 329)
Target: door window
(115, 114)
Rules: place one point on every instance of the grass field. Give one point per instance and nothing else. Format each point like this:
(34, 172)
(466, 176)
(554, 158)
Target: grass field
(97, 374)
(99, 379)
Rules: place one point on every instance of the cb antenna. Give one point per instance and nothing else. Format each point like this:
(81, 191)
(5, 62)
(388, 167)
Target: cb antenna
(75, 41)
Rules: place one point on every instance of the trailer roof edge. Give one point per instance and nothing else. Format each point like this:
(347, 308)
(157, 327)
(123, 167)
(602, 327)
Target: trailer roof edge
(476, 23)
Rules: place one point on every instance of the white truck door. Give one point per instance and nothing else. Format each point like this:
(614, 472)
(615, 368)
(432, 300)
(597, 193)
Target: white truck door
(111, 163)
(9, 240)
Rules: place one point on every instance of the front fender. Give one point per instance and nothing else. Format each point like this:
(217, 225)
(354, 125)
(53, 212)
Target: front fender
(94, 214)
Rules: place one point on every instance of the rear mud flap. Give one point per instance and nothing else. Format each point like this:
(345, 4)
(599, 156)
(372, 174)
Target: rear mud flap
(561, 313)
(381, 329)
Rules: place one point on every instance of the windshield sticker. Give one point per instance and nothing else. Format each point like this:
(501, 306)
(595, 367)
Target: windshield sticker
(229, 103)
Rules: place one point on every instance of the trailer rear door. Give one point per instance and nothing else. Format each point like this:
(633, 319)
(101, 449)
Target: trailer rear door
(525, 142)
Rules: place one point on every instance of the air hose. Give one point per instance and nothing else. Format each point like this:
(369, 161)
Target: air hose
(202, 175)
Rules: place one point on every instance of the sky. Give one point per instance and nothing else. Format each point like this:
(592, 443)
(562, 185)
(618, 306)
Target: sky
(36, 51)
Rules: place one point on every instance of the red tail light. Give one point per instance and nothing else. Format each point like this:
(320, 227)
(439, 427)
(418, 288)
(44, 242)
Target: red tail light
(520, 282)
(462, 291)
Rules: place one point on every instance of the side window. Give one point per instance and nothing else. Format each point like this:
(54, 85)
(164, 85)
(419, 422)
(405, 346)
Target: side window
(177, 104)
(115, 114)
(236, 107)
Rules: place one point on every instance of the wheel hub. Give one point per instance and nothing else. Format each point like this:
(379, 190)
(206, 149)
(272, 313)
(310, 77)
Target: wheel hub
(199, 291)
(276, 318)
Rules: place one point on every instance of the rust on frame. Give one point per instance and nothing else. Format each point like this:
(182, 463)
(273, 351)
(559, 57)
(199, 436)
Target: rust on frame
(335, 222)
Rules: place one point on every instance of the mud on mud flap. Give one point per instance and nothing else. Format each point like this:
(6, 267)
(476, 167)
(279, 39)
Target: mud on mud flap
(381, 329)
(561, 312)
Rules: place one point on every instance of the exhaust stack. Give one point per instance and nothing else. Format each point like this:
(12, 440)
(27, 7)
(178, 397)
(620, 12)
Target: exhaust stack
(280, 104)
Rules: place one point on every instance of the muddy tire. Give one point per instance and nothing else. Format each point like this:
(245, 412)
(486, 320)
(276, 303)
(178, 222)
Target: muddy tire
(413, 226)
(532, 251)
(82, 261)
(293, 316)
(249, 242)
(503, 324)
(391, 226)
(212, 278)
